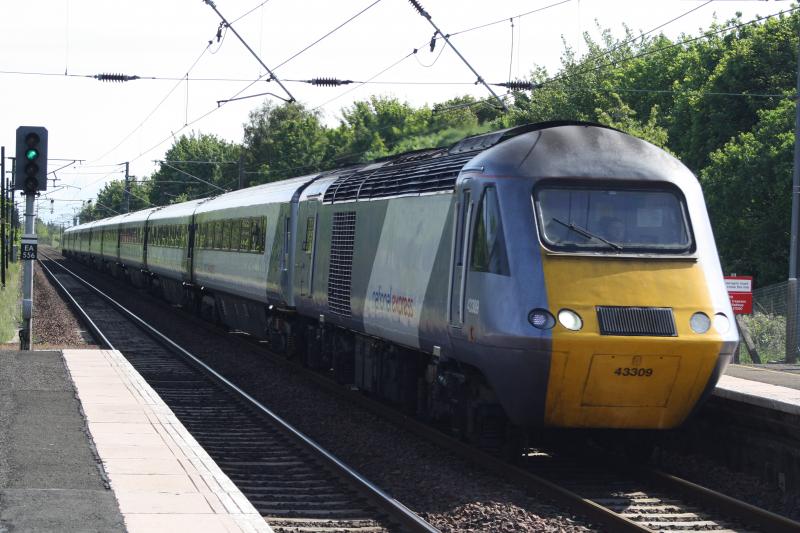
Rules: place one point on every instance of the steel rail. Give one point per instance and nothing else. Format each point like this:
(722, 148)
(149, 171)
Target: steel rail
(397, 510)
(749, 514)
(557, 494)
(737, 509)
(531, 482)
(77, 307)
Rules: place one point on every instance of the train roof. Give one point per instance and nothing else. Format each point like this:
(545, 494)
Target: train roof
(580, 151)
(181, 210)
(85, 225)
(424, 171)
(275, 192)
(552, 149)
(116, 219)
(139, 216)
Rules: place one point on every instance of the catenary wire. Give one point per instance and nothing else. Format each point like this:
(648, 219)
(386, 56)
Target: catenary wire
(370, 80)
(671, 46)
(367, 81)
(191, 175)
(252, 82)
(328, 34)
(240, 17)
(645, 34)
(520, 15)
(137, 128)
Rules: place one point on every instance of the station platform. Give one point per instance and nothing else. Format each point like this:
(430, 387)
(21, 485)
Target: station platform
(775, 389)
(86, 445)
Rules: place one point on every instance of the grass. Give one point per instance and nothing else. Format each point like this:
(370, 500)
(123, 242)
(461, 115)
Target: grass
(10, 304)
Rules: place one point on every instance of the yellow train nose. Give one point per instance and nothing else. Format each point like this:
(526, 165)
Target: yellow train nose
(613, 379)
(633, 382)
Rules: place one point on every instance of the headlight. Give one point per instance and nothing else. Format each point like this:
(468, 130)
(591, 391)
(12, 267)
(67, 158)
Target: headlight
(700, 322)
(570, 319)
(541, 318)
(721, 323)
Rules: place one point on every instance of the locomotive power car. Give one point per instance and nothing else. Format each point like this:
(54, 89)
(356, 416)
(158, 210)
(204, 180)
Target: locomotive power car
(559, 274)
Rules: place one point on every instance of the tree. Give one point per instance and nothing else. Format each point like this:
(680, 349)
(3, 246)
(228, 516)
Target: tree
(623, 117)
(757, 59)
(748, 190)
(283, 141)
(196, 166)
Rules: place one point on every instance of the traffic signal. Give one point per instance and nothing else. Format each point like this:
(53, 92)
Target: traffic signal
(31, 164)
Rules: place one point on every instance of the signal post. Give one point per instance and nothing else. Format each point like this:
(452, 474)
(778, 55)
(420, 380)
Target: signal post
(30, 176)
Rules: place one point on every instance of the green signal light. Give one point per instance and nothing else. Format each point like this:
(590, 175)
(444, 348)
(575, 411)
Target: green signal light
(31, 154)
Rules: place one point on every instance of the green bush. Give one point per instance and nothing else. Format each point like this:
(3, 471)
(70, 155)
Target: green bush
(769, 335)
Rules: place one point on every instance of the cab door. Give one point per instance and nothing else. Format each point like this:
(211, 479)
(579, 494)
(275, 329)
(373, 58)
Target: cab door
(304, 259)
(462, 236)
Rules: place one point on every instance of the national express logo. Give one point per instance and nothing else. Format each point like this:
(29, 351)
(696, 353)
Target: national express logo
(392, 303)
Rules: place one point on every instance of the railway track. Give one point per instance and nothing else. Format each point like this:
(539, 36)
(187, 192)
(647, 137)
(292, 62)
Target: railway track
(650, 500)
(294, 483)
(617, 499)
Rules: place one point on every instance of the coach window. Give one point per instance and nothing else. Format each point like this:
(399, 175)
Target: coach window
(255, 234)
(259, 233)
(308, 244)
(199, 236)
(216, 233)
(489, 245)
(244, 236)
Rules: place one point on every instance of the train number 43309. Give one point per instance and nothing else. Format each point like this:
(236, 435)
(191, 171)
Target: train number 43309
(634, 372)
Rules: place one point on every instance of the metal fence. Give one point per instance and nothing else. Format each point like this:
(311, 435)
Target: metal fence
(767, 324)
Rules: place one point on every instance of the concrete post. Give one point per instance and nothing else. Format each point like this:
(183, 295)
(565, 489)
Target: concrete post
(26, 335)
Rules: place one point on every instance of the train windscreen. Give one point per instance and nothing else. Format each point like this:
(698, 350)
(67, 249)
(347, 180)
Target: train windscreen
(613, 219)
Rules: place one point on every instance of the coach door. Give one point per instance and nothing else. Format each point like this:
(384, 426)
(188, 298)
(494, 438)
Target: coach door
(462, 225)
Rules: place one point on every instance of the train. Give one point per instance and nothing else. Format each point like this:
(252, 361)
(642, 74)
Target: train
(551, 275)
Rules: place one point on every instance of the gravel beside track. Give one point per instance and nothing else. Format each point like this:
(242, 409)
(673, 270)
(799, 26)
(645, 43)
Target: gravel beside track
(54, 326)
(444, 490)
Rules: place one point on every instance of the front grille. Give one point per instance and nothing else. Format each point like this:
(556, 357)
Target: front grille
(636, 321)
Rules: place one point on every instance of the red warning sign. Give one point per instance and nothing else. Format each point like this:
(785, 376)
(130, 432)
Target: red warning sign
(740, 291)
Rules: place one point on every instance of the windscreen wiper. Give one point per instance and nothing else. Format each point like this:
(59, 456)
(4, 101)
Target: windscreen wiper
(587, 233)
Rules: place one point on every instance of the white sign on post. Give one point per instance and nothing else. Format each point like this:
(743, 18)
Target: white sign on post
(29, 248)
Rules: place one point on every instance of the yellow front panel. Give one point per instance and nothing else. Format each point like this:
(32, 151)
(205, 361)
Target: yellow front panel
(619, 381)
(616, 380)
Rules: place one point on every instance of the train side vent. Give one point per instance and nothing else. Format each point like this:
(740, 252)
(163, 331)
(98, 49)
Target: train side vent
(636, 321)
(340, 273)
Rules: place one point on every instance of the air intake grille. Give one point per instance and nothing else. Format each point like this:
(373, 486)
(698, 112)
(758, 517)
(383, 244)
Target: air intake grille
(636, 321)
(421, 173)
(340, 274)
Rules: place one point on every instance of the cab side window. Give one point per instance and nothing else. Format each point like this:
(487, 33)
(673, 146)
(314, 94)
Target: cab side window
(489, 244)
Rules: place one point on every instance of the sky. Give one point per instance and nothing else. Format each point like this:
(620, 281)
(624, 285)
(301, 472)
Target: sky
(49, 49)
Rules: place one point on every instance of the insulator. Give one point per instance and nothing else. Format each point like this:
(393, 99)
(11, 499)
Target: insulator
(419, 8)
(114, 77)
(328, 82)
(518, 85)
